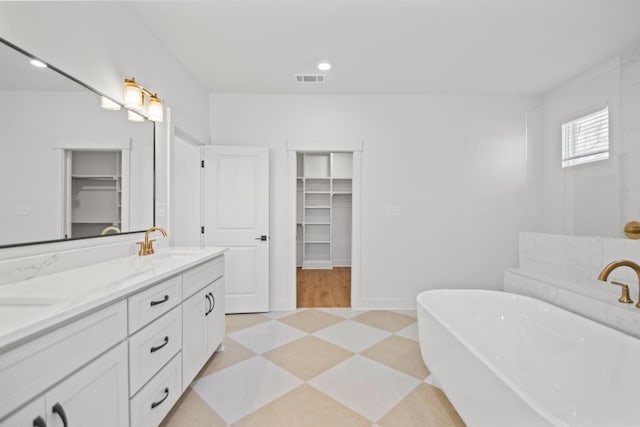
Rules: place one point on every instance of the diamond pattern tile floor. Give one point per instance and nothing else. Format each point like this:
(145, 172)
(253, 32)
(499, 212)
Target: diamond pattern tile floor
(316, 367)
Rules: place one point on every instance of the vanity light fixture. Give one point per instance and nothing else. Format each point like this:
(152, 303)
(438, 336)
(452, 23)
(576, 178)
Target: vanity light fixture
(134, 98)
(108, 104)
(324, 66)
(134, 117)
(37, 63)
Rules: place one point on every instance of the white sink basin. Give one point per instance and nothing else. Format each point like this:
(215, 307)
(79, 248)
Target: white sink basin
(14, 311)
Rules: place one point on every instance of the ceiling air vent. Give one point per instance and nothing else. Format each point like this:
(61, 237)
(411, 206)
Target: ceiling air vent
(310, 78)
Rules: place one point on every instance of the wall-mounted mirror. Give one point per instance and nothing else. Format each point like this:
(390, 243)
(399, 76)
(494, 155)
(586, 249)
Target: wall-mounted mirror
(69, 168)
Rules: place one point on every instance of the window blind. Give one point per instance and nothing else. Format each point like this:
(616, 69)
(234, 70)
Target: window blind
(586, 139)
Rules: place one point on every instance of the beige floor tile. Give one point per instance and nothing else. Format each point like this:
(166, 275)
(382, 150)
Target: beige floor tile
(235, 322)
(386, 320)
(399, 353)
(192, 411)
(311, 320)
(308, 356)
(424, 406)
(303, 407)
(233, 353)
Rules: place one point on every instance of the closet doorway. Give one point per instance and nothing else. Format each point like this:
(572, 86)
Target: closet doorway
(324, 195)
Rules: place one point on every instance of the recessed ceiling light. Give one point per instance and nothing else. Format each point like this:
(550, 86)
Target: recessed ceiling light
(324, 66)
(38, 63)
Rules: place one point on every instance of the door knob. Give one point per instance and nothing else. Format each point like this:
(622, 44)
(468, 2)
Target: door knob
(262, 238)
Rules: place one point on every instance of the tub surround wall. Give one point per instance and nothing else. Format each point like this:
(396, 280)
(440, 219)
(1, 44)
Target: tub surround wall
(597, 198)
(563, 270)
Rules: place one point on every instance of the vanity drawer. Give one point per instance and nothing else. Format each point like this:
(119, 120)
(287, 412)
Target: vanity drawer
(154, 401)
(152, 347)
(154, 302)
(200, 276)
(37, 365)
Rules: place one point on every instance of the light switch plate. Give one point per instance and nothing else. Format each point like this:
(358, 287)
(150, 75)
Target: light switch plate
(393, 210)
(23, 209)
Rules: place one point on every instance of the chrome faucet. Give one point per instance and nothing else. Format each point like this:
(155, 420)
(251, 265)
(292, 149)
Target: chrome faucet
(146, 247)
(604, 274)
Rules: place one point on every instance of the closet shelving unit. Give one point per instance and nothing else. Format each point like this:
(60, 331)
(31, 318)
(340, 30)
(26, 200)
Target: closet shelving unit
(324, 180)
(96, 192)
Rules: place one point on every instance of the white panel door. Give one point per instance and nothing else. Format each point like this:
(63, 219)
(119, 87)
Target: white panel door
(236, 215)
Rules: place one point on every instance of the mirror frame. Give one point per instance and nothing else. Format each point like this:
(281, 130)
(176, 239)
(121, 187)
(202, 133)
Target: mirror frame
(99, 93)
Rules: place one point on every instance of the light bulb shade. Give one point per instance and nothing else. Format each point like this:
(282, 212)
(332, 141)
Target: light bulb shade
(108, 104)
(38, 63)
(155, 109)
(132, 94)
(134, 117)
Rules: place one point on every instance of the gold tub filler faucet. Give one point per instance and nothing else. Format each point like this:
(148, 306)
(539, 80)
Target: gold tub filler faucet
(604, 274)
(146, 246)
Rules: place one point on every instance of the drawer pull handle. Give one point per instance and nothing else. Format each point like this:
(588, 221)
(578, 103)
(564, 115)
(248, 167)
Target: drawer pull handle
(59, 410)
(39, 422)
(154, 405)
(162, 301)
(154, 349)
(214, 301)
(210, 305)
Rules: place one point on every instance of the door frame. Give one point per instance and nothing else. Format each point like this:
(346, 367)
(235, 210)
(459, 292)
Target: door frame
(293, 148)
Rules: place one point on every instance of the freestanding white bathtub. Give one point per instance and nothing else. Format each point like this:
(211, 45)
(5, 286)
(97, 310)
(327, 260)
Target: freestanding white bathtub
(514, 361)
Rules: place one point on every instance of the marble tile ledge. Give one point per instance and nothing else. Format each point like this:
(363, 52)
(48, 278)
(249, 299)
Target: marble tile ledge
(593, 299)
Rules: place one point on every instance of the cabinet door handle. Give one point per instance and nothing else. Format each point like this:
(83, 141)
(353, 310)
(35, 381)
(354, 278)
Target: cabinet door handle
(210, 305)
(154, 405)
(154, 349)
(214, 301)
(59, 410)
(162, 301)
(39, 422)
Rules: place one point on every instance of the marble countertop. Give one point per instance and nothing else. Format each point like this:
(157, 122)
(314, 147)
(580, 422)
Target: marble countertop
(30, 308)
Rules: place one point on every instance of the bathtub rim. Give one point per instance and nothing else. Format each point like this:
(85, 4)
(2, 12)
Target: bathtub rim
(540, 409)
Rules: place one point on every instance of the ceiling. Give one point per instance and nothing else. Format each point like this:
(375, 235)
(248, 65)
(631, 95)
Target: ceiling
(392, 46)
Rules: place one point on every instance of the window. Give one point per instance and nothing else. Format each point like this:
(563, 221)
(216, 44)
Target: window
(586, 139)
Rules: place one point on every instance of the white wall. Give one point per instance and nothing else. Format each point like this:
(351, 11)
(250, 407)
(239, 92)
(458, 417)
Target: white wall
(101, 43)
(455, 165)
(595, 199)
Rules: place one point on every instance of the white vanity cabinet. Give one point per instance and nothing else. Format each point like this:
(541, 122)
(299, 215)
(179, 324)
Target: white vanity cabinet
(125, 362)
(203, 328)
(95, 390)
(202, 316)
(93, 395)
(90, 397)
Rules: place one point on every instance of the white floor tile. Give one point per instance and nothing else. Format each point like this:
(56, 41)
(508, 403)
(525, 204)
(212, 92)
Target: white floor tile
(366, 386)
(242, 388)
(353, 336)
(410, 332)
(346, 313)
(266, 336)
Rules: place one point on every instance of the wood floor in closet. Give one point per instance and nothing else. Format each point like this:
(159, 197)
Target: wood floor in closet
(324, 288)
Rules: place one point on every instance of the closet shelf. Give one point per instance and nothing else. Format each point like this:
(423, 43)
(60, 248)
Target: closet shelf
(317, 242)
(111, 177)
